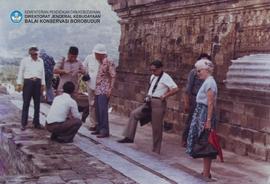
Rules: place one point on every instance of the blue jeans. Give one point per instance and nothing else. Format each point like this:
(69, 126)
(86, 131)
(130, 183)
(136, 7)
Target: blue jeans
(102, 114)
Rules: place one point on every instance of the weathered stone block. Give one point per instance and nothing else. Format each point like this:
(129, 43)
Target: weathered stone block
(267, 139)
(238, 108)
(235, 131)
(262, 112)
(225, 116)
(253, 123)
(249, 110)
(264, 125)
(223, 129)
(268, 155)
(259, 138)
(257, 151)
(50, 179)
(247, 135)
(226, 105)
(236, 118)
(240, 148)
(229, 143)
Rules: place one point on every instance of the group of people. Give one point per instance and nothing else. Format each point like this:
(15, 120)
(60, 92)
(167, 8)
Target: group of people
(63, 119)
(37, 70)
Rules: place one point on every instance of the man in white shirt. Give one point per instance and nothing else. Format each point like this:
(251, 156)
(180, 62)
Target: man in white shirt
(161, 87)
(32, 77)
(63, 119)
(91, 66)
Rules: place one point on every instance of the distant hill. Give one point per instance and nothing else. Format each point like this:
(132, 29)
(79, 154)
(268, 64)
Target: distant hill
(10, 61)
(56, 38)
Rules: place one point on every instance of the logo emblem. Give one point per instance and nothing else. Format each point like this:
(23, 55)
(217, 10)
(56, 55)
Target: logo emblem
(16, 16)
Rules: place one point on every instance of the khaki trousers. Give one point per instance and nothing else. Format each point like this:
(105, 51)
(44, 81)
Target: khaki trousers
(92, 111)
(158, 112)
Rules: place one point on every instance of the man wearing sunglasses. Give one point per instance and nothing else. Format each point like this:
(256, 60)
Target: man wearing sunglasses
(161, 87)
(32, 77)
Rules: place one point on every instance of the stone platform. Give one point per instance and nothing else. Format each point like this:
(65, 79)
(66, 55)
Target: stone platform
(31, 157)
(92, 160)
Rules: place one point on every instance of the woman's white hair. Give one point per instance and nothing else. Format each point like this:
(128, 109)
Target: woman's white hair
(204, 64)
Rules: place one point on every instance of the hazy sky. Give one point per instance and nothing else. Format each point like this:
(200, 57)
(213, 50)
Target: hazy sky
(56, 38)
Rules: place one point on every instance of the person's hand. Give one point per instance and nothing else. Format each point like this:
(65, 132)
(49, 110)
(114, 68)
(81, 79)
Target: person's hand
(18, 87)
(42, 89)
(81, 71)
(163, 97)
(207, 125)
(186, 108)
(109, 93)
(64, 72)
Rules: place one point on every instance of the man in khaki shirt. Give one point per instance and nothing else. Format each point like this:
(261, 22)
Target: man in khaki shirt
(69, 69)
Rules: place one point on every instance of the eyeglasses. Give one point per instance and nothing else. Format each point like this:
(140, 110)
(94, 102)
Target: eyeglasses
(34, 54)
(153, 70)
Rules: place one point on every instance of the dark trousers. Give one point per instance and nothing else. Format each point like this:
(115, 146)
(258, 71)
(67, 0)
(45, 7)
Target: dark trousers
(102, 114)
(31, 88)
(192, 106)
(85, 112)
(64, 131)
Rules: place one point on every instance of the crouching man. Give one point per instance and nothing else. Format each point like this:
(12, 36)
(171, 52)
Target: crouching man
(63, 119)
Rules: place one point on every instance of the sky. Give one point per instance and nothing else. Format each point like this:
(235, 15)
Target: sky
(15, 39)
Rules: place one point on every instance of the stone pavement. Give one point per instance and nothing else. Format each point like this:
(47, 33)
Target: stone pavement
(235, 170)
(94, 160)
(138, 166)
(30, 157)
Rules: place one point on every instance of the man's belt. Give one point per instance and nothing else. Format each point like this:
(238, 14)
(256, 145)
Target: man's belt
(33, 78)
(155, 97)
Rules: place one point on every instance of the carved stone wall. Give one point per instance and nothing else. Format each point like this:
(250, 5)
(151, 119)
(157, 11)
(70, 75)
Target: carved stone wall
(177, 31)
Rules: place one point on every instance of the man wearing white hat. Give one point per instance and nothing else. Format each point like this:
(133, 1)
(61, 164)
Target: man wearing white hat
(91, 66)
(104, 83)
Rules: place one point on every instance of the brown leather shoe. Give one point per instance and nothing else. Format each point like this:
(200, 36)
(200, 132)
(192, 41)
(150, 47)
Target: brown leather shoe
(95, 133)
(93, 128)
(125, 140)
(38, 126)
(103, 135)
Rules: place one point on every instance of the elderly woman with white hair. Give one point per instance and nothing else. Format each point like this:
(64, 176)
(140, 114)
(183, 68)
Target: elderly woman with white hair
(203, 117)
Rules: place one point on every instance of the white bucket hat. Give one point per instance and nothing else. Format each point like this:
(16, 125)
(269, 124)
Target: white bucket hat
(100, 49)
(204, 64)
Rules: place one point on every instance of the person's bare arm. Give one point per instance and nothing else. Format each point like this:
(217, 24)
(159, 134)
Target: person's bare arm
(210, 104)
(169, 93)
